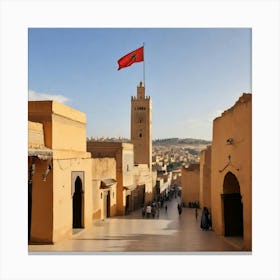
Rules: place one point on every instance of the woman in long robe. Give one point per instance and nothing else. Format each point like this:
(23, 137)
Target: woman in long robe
(204, 224)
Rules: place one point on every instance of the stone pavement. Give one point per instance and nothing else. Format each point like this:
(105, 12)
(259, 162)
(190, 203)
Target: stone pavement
(169, 233)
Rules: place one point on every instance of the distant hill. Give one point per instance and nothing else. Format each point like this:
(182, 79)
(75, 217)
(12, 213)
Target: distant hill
(163, 142)
(178, 141)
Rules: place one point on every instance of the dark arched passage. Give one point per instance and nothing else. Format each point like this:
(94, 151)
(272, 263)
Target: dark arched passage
(77, 204)
(108, 204)
(232, 206)
(29, 207)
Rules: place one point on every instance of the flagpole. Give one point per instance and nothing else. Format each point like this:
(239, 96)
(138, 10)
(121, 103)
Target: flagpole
(144, 65)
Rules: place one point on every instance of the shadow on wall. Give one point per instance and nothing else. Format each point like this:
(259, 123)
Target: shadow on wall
(149, 196)
(96, 215)
(113, 210)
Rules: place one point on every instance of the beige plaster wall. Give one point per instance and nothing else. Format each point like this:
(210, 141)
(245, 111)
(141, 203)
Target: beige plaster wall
(143, 176)
(35, 135)
(64, 164)
(235, 123)
(127, 164)
(103, 168)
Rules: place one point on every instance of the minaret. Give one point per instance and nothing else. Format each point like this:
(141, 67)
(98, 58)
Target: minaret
(141, 127)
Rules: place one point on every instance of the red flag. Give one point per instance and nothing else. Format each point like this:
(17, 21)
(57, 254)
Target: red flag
(130, 58)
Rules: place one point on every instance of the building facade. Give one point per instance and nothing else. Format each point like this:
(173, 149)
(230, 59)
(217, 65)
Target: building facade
(61, 196)
(231, 172)
(123, 155)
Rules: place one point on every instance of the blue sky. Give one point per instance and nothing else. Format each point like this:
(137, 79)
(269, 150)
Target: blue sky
(191, 74)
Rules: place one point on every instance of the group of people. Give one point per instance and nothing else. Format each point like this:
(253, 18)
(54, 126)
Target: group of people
(151, 210)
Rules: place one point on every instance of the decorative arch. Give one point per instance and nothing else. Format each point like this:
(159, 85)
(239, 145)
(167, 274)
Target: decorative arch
(231, 184)
(77, 202)
(232, 206)
(74, 176)
(108, 204)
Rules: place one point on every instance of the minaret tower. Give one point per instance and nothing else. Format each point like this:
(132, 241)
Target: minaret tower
(141, 127)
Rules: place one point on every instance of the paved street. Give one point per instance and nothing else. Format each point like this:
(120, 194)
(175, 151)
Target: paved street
(168, 233)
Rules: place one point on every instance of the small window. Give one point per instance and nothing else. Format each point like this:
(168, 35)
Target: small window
(140, 135)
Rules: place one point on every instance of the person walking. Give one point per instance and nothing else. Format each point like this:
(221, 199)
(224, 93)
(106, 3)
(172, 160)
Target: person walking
(204, 224)
(196, 213)
(210, 221)
(153, 211)
(148, 211)
(143, 212)
(179, 207)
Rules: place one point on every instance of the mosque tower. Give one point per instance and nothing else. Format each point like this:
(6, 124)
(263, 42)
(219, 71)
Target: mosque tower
(141, 127)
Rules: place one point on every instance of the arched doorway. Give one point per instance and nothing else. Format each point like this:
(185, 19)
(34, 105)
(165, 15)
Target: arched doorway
(29, 207)
(127, 204)
(232, 206)
(143, 195)
(108, 204)
(77, 203)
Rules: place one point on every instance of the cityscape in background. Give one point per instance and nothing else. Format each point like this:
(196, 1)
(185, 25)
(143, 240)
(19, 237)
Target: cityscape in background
(168, 154)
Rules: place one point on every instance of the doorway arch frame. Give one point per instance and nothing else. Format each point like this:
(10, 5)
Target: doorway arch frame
(74, 176)
(231, 193)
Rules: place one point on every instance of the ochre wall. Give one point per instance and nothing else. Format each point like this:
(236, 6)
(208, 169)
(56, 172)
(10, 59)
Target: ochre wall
(75, 131)
(42, 203)
(205, 178)
(141, 122)
(59, 120)
(41, 112)
(235, 123)
(190, 184)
